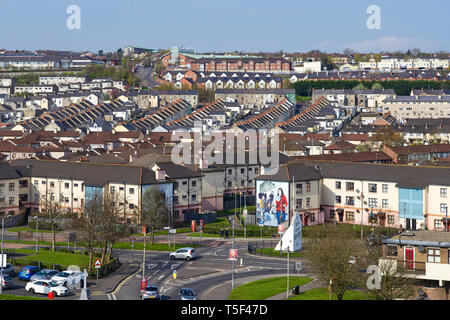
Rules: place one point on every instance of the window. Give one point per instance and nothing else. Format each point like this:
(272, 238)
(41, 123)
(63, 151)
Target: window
(349, 186)
(332, 214)
(36, 183)
(66, 185)
(176, 214)
(385, 203)
(299, 203)
(338, 199)
(391, 219)
(443, 207)
(444, 192)
(120, 188)
(184, 196)
(308, 187)
(194, 197)
(437, 224)
(52, 184)
(75, 185)
(392, 251)
(175, 186)
(384, 187)
(373, 202)
(434, 255)
(256, 170)
(350, 201)
(229, 184)
(66, 199)
(11, 200)
(36, 198)
(131, 191)
(131, 206)
(175, 200)
(312, 218)
(23, 183)
(349, 216)
(184, 182)
(308, 202)
(242, 171)
(338, 184)
(242, 183)
(193, 183)
(75, 199)
(372, 187)
(112, 189)
(299, 188)
(43, 182)
(12, 186)
(230, 171)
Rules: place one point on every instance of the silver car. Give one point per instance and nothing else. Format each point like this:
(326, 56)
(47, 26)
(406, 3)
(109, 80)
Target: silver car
(187, 294)
(9, 270)
(6, 282)
(150, 293)
(184, 253)
(45, 274)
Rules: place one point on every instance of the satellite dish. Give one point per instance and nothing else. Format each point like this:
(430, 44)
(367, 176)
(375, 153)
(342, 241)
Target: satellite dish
(421, 249)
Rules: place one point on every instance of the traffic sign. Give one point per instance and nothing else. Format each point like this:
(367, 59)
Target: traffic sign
(233, 254)
(298, 266)
(173, 231)
(132, 240)
(244, 212)
(281, 228)
(174, 274)
(98, 264)
(143, 283)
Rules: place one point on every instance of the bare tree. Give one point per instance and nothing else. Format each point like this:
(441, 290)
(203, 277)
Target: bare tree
(336, 259)
(395, 283)
(89, 224)
(52, 213)
(154, 212)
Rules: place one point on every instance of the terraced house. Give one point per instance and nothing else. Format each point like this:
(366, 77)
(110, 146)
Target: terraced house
(410, 197)
(30, 184)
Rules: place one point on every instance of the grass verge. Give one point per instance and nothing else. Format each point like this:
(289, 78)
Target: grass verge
(323, 294)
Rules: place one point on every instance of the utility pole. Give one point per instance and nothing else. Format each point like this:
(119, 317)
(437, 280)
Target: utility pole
(37, 234)
(232, 261)
(1, 259)
(287, 289)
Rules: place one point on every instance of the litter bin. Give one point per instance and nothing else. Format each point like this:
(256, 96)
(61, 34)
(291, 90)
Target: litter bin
(296, 290)
(51, 295)
(250, 248)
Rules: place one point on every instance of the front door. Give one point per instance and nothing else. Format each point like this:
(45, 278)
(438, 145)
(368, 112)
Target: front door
(341, 216)
(409, 258)
(382, 221)
(413, 224)
(408, 224)
(306, 220)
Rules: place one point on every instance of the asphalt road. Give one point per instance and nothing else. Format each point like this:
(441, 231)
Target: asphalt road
(146, 75)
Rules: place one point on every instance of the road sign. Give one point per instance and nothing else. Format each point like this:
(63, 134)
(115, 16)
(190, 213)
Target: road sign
(143, 283)
(166, 228)
(72, 236)
(174, 274)
(298, 266)
(281, 228)
(233, 254)
(244, 212)
(132, 240)
(173, 231)
(98, 264)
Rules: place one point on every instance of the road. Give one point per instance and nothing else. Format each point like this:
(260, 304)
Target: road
(146, 75)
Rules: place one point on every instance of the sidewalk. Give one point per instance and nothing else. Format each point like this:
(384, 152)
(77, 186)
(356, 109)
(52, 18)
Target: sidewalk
(110, 282)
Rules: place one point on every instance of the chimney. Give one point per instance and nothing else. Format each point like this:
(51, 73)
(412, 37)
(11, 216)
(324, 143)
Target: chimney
(160, 174)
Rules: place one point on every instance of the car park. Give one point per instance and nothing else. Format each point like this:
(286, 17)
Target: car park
(6, 282)
(69, 277)
(45, 274)
(151, 292)
(27, 272)
(46, 286)
(187, 294)
(184, 253)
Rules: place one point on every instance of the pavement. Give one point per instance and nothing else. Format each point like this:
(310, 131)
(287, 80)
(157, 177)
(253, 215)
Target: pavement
(112, 281)
(310, 285)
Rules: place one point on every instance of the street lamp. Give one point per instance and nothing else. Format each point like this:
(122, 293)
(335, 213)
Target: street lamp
(1, 257)
(288, 248)
(232, 261)
(37, 233)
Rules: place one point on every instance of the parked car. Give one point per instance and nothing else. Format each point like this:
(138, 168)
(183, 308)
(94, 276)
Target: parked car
(68, 277)
(27, 272)
(150, 293)
(187, 294)
(184, 253)
(45, 274)
(9, 270)
(6, 282)
(46, 286)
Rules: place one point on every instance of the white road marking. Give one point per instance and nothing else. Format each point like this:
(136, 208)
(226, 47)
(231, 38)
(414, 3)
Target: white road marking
(160, 277)
(151, 266)
(165, 263)
(174, 266)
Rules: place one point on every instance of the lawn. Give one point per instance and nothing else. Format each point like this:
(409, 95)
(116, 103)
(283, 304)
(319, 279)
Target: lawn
(21, 229)
(48, 258)
(266, 288)
(276, 253)
(323, 294)
(154, 247)
(13, 297)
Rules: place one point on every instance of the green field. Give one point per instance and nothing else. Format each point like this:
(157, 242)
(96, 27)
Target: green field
(276, 253)
(48, 258)
(266, 288)
(323, 294)
(12, 297)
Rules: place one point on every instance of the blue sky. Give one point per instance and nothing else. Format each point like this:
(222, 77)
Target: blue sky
(206, 25)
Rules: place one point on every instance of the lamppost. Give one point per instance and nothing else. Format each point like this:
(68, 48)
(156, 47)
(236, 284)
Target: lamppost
(232, 261)
(287, 289)
(37, 233)
(1, 257)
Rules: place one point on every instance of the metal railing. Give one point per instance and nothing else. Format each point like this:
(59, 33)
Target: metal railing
(411, 267)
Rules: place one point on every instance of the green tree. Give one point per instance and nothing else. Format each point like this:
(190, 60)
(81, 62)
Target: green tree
(357, 57)
(377, 86)
(154, 211)
(359, 86)
(388, 136)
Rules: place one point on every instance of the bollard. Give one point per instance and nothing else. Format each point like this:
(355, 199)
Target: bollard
(241, 262)
(51, 295)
